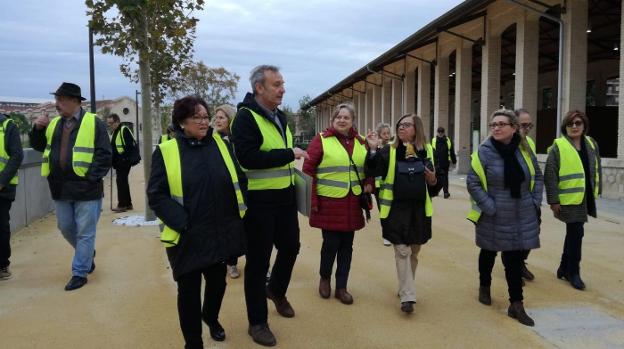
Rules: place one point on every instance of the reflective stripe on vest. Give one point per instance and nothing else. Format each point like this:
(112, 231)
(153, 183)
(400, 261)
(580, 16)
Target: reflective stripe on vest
(4, 156)
(82, 152)
(335, 174)
(120, 143)
(229, 163)
(276, 177)
(171, 156)
(448, 146)
(531, 144)
(475, 162)
(572, 174)
(386, 194)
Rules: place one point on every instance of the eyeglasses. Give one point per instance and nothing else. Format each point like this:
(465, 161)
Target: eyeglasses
(198, 119)
(495, 125)
(575, 124)
(405, 125)
(526, 125)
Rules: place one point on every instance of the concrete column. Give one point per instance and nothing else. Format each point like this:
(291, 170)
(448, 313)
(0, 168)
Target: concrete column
(424, 96)
(441, 92)
(377, 100)
(397, 102)
(575, 56)
(620, 148)
(386, 101)
(362, 114)
(369, 109)
(527, 46)
(409, 87)
(490, 80)
(463, 92)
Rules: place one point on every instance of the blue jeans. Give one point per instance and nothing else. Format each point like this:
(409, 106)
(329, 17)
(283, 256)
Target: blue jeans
(77, 221)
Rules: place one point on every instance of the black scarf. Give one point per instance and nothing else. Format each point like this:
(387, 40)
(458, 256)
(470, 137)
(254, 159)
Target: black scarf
(514, 174)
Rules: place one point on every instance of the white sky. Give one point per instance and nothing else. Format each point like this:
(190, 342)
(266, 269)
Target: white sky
(316, 43)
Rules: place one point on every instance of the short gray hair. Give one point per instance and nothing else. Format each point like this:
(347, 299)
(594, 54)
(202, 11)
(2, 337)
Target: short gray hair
(257, 74)
(381, 126)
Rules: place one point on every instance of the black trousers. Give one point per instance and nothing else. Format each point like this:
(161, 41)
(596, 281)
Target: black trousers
(190, 309)
(337, 245)
(512, 260)
(445, 181)
(123, 188)
(5, 232)
(572, 246)
(267, 227)
(525, 254)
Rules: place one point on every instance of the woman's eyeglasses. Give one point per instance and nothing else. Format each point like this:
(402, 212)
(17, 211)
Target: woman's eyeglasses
(495, 125)
(526, 125)
(574, 124)
(405, 125)
(198, 119)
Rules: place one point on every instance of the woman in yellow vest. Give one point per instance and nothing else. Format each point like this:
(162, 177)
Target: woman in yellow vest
(222, 120)
(336, 188)
(505, 184)
(573, 182)
(407, 170)
(384, 134)
(196, 189)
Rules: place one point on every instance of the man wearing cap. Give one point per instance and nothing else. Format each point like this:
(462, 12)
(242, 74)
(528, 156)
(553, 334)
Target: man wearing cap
(444, 154)
(11, 156)
(76, 155)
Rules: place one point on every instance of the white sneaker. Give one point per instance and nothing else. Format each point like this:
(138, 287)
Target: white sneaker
(232, 271)
(387, 243)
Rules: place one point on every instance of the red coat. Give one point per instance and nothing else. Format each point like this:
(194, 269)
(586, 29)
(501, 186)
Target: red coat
(342, 214)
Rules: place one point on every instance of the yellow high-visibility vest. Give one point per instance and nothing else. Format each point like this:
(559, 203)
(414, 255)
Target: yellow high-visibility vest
(572, 174)
(448, 146)
(120, 143)
(82, 152)
(335, 174)
(531, 144)
(4, 156)
(165, 137)
(171, 157)
(475, 212)
(386, 194)
(275, 177)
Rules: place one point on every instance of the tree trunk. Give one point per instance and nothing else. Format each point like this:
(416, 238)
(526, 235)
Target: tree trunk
(157, 111)
(146, 113)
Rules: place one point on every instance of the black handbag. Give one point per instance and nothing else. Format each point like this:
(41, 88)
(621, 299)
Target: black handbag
(365, 199)
(409, 180)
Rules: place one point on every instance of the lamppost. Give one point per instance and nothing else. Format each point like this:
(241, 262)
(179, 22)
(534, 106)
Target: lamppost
(91, 70)
(136, 109)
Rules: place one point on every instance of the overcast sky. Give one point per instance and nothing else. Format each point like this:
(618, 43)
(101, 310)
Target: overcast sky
(315, 42)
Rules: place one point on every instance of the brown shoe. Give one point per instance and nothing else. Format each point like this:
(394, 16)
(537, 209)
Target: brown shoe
(262, 335)
(119, 209)
(344, 296)
(282, 305)
(325, 288)
(516, 311)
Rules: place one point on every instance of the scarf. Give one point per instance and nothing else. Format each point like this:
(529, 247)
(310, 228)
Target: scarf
(514, 174)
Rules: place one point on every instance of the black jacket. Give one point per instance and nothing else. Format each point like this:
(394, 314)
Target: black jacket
(442, 152)
(13, 147)
(211, 230)
(247, 140)
(120, 161)
(65, 184)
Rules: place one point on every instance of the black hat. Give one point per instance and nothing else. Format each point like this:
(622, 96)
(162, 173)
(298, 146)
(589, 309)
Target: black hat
(68, 89)
(440, 129)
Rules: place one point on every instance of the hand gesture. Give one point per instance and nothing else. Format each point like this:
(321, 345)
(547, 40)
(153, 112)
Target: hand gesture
(372, 139)
(430, 176)
(42, 121)
(556, 208)
(300, 153)
(368, 188)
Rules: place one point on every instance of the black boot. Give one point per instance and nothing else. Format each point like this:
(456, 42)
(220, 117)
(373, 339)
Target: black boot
(526, 273)
(484, 295)
(576, 282)
(562, 273)
(516, 311)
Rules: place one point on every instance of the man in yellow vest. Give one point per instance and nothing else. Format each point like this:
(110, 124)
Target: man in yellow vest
(263, 145)
(11, 156)
(444, 155)
(526, 124)
(76, 155)
(124, 150)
